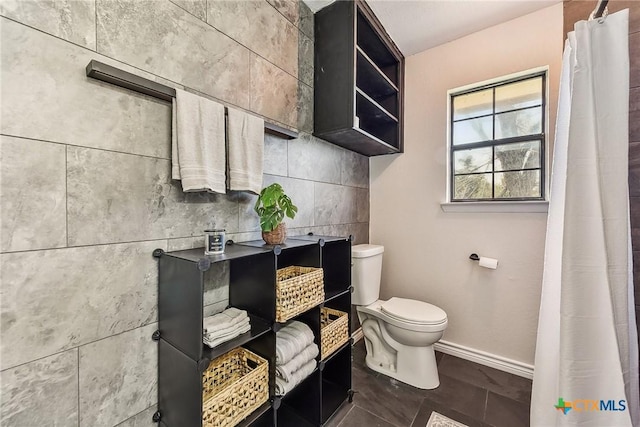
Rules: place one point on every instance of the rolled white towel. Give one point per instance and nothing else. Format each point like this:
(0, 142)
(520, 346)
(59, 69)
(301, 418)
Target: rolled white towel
(286, 371)
(217, 341)
(283, 387)
(219, 333)
(291, 340)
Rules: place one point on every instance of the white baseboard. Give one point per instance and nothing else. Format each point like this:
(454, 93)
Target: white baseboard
(357, 335)
(483, 358)
(477, 356)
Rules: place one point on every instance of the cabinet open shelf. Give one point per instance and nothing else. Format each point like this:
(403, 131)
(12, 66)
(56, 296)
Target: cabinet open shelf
(258, 327)
(371, 79)
(371, 110)
(371, 41)
(359, 109)
(329, 296)
(336, 394)
(255, 416)
(183, 279)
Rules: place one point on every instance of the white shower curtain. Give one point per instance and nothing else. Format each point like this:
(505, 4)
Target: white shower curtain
(587, 347)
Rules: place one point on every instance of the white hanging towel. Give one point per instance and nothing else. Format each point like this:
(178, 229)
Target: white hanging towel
(245, 134)
(198, 143)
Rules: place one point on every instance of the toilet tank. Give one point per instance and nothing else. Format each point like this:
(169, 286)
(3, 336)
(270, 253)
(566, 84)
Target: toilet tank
(365, 273)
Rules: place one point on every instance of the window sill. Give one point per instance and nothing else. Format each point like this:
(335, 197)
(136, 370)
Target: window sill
(496, 207)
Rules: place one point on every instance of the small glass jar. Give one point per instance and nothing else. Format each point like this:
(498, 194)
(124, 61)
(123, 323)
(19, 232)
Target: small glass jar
(214, 241)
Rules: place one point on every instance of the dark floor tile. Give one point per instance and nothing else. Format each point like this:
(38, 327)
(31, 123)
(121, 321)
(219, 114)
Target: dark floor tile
(505, 412)
(438, 357)
(428, 406)
(503, 383)
(391, 400)
(459, 396)
(337, 418)
(358, 417)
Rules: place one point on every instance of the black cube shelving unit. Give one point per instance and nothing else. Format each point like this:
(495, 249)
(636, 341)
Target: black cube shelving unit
(182, 357)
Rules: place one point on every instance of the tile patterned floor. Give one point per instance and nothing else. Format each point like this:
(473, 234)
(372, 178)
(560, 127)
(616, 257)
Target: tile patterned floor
(469, 393)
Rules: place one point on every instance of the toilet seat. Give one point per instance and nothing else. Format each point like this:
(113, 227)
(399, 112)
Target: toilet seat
(413, 311)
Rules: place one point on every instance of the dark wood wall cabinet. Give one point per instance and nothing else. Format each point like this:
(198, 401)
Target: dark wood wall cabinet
(182, 357)
(359, 79)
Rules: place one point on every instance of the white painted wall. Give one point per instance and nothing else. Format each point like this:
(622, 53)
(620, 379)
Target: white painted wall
(427, 250)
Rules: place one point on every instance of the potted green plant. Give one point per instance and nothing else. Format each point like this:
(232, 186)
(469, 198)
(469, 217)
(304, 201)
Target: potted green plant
(272, 206)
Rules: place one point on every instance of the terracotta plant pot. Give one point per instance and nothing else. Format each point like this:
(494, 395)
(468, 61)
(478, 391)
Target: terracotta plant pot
(277, 236)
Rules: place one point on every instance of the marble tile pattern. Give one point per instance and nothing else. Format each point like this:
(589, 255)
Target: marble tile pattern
(362, 205)
(40, 70)
(115, 197)
(63, 298)
(44, 392)
(290, 9)
(118, 377)
(276, 39)
(306, 20)
(273, 92)
(275, 155)
(334, 204)
(32, 195)
(71, 20)
(197, 8)
(142, 419)
(305, 107)
(154, 36)
(305, 59)
(355, 170)
(95, 197)
(315, 159)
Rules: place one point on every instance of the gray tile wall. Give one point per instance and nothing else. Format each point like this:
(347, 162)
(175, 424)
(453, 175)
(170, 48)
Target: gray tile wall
(86, 195)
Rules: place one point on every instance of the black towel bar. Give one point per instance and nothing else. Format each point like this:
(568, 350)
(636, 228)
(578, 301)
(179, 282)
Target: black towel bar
(107, 73)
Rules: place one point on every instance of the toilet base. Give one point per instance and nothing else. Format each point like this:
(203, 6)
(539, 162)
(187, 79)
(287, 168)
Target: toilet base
(415, 366)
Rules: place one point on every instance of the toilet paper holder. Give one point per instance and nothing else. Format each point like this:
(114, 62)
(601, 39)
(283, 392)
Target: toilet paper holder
(474, 257)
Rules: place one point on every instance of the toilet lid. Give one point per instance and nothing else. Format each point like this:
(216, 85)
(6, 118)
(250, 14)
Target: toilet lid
(413, 311)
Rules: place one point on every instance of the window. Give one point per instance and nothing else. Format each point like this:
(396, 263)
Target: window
(497, 141)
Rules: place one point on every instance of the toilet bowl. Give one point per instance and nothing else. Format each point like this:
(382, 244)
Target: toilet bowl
(399, 333)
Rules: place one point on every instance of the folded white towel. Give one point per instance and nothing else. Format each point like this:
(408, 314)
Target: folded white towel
(245, 149)
(198, 143)
(286, 371)
(219, 333)
(224, 320)
(283, 387)
(217, 341)
(291, 340)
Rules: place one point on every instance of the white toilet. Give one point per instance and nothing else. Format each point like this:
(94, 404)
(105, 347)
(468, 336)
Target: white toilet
(399, 333)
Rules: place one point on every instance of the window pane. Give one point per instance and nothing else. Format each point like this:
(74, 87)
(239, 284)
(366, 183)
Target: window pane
(476, 186)
(470, 161)
(473, 104)
(526, 93)
(473, 130)
(519, 123)
(512, 185)
(523, 155)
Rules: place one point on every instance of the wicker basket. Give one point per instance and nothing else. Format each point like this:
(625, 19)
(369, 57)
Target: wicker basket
(334, 330)
(297, 290)
(233, 386)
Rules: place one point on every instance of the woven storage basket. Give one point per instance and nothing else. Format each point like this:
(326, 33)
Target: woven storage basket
(334, 330)
(297, 290)
(233, 386)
